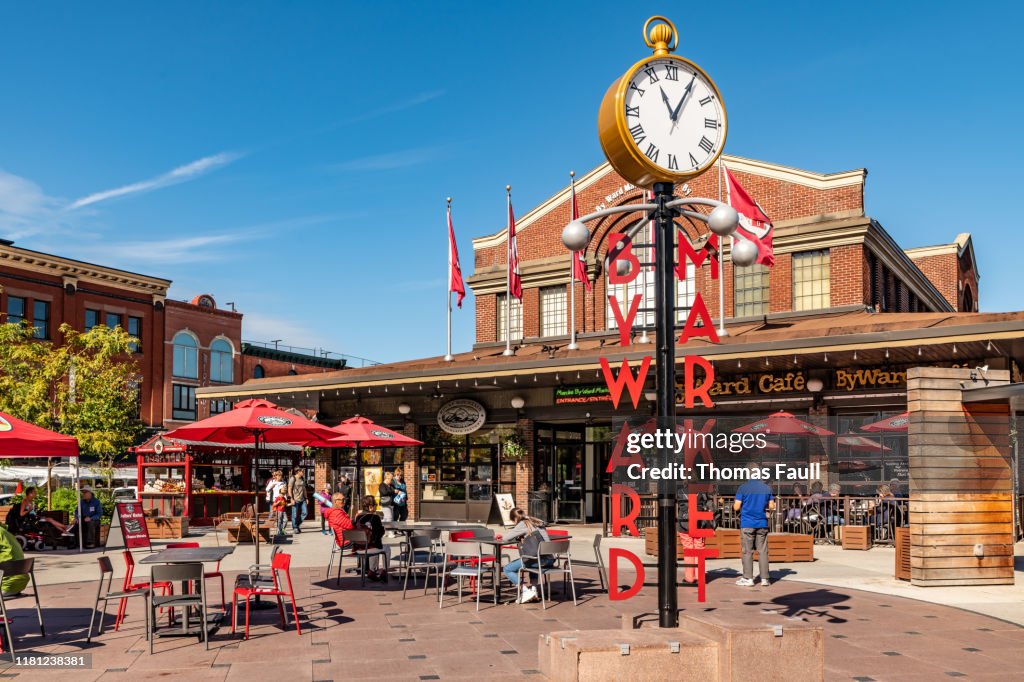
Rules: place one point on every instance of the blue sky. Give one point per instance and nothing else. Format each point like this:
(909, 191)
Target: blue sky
(240, 148)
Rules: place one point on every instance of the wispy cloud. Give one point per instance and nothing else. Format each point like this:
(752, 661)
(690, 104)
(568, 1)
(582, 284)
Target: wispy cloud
(402, 105)
(172, 177)
(389, 161)
(24, 208)
(260, 326)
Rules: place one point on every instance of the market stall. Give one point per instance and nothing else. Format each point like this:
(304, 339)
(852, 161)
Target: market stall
(202, 482)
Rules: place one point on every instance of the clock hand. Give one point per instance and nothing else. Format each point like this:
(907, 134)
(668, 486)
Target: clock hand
(664, 98)
(686, 93)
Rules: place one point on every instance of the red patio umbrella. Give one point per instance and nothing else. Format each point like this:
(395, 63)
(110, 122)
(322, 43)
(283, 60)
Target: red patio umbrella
(254, 421)
(21, 439)
(896, 423)
(784, 424)
(361, 432)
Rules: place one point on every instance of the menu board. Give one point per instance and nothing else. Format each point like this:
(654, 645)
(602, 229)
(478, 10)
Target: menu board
(130, 520)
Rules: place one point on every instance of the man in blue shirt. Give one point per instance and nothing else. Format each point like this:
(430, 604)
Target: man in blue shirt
(754, 500)
(88, 514)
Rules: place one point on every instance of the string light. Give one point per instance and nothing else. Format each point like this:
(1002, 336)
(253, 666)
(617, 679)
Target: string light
(954, 349)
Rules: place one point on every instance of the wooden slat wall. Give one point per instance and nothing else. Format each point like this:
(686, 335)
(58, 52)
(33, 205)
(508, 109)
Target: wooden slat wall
(961, 482)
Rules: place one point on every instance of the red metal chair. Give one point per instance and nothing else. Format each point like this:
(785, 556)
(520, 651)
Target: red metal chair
(469, 536)
(129, 586)
(206, 574)
(281, 562)
(552, 533)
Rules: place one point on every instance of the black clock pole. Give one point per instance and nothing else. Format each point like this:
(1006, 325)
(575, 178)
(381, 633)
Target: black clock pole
(664, 280)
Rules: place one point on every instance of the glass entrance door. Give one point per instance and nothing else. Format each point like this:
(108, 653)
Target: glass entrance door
(569, 481)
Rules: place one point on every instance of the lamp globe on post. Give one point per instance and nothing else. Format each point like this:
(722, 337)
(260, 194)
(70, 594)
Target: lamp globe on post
(575, 236)
(744, 253)
(723, 220)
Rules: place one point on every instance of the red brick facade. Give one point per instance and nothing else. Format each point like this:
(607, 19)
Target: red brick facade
(953, 271)
(810, 212)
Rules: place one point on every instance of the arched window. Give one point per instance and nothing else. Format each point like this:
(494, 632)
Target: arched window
(221, 362)
(644, 285)
(968, 305)
(186, 356)
(257, 372)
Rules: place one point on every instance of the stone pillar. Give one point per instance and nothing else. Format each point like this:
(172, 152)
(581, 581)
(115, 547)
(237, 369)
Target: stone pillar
(411, 465)
(321, 474)
(961, 480)
(525, 467)
(816, 452)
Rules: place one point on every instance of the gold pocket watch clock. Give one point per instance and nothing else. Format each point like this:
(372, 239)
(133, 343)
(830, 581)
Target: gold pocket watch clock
(664, 119)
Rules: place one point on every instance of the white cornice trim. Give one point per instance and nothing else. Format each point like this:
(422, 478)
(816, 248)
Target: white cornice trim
(47, 264)
(763, 168)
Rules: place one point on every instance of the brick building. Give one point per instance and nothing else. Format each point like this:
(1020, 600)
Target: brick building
(829, 332)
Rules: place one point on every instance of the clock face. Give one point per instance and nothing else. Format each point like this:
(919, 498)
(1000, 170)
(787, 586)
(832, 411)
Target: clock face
(675, 116)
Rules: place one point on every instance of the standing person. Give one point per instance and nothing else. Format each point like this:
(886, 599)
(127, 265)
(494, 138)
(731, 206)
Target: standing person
(532, 532)
(345, 489)
(705, 503)
(369, 520)
(326, 494)
(297, 496)
(275, 490)
(88, 514)
(754, 500)
(401, 496)
(387, 491)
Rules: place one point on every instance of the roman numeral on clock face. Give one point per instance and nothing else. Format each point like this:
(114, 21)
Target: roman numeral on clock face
(650, 72)
(710, 123)
(706, 101)
(671, 72)
(693, 161)
(640, 91)
(652, 153)
(706, 144)
(637, 132)
(632, 111)
(673, 162)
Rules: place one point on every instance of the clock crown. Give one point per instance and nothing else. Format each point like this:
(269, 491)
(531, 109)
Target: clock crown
(663, 36)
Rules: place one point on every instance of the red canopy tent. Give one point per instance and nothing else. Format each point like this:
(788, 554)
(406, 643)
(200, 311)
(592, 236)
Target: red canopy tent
(258, 422)
(21, 439)
(897, 423)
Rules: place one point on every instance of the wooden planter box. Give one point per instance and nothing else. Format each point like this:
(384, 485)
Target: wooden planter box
(902, 553)
(167, 527)
(782, 547)
(856, 537)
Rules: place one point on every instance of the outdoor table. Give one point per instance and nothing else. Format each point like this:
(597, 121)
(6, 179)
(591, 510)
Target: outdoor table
(190, 555)
(408, 529)
(497, 544)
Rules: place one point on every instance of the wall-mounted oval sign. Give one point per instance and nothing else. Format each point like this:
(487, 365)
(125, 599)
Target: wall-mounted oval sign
(461, 416)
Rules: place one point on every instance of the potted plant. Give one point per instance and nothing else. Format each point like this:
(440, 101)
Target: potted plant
(513, 447)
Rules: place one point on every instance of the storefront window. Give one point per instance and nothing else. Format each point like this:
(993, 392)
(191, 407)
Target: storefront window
(459, 468)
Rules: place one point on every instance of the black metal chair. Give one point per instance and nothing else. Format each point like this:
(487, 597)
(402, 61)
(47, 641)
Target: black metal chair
(26, 567)
(359, 540)
(196, 599)
(559, 551)
(259, 575)
(106, 570)
(419, 555)
(464, 560)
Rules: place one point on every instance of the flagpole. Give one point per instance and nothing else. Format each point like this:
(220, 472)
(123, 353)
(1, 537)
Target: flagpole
(448, 285)
(572, 272)
(721, 266)
(508, 273)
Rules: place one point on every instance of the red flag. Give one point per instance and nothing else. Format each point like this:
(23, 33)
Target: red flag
(455, 282)
(579, 267)
(515, 282)
(755, 225)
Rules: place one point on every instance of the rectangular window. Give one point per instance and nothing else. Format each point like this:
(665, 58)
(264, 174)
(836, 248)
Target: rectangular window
(811, 280)
(750, 291)
(553, 311)
(92, 319)
(184, 403)
(113, 320)
(135, 329)
(15, 309)
(643, 285)
(41, 319)
(219, 407)
(517, 318)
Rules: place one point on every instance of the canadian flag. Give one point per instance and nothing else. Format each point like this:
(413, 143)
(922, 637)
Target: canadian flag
(755, 225)
(455, 282)
(515, 282)
(579, 268)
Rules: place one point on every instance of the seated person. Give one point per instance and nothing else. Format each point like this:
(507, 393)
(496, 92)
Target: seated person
(10, 550)
(336, 517)
(369, 520)
(89, 513)
(23, 517)
(532, 532)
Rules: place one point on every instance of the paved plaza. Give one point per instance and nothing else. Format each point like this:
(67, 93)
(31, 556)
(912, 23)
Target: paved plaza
(354, 632)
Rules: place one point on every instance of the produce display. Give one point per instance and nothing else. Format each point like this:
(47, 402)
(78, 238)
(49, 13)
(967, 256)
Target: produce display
(161, 485)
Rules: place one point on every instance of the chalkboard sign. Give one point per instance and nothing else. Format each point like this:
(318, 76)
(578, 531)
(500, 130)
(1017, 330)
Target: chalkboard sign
(128, 527)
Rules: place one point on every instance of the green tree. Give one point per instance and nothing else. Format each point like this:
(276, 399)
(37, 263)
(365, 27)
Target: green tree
(86, 386)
